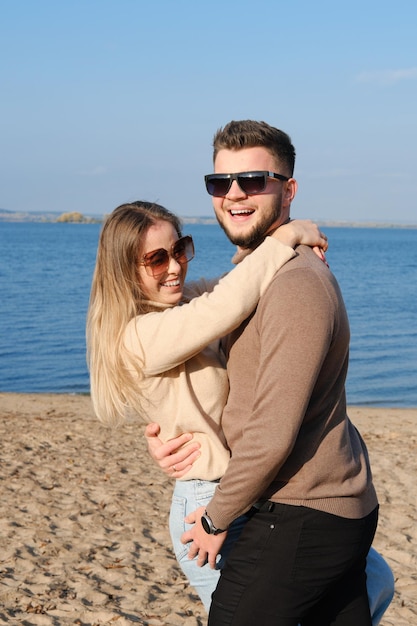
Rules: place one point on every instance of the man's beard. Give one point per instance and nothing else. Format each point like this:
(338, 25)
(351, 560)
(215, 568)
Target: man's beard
(257, 234)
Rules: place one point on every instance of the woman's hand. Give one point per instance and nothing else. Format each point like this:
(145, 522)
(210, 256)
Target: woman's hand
(175, 457)
(301, 232)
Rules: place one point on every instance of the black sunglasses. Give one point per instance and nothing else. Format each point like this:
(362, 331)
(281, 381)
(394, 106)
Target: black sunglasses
(250, 183)
(156, 262)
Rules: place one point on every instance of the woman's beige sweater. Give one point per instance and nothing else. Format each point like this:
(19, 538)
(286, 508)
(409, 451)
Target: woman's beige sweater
(185, 385)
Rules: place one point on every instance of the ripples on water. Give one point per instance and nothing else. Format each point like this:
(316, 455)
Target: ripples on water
(45, 276)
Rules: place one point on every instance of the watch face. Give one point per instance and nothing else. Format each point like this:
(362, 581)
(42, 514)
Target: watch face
(205, 524)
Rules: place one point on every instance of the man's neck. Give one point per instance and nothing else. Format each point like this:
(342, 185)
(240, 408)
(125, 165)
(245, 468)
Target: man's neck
(241, 252)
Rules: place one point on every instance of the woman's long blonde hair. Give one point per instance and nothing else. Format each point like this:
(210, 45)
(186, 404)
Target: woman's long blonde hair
(116, 297)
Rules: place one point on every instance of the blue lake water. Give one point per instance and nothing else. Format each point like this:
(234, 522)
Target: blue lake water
(45, 276)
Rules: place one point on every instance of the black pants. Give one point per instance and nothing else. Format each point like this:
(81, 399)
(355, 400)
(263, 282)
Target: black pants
(294, 565)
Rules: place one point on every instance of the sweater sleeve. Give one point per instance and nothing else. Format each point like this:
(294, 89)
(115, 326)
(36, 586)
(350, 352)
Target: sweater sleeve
(165, 339)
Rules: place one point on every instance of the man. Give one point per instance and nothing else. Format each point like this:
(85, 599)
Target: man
(301, 557)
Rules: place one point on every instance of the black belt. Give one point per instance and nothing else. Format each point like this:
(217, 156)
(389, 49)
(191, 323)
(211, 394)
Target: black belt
(262, 505)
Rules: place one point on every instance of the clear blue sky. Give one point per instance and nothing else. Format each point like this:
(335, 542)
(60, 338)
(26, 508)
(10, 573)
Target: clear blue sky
(106, 101)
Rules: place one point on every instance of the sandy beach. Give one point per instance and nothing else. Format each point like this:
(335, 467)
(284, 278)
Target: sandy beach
(83, 524)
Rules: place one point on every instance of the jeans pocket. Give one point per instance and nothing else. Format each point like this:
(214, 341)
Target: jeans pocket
(187, 497)
(177, 526)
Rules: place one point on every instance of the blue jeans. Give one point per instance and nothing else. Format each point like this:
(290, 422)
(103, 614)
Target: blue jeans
(191, 494)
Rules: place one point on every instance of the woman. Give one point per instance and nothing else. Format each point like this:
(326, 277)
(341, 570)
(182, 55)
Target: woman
(163, 362)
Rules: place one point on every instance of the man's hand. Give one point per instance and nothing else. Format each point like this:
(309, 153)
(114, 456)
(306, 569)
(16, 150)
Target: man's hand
(203, 546)
(175, 458)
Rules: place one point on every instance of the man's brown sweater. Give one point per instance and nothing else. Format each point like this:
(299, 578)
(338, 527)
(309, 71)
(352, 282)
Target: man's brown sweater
(285, 420)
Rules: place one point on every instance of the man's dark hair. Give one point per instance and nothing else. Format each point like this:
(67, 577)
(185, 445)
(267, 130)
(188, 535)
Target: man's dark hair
(237, 135)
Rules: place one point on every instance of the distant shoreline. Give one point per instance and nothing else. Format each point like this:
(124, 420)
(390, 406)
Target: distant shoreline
(352, 406)
(53, 218)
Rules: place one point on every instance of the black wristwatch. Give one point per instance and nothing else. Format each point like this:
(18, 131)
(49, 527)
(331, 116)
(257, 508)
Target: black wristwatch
(208, 525)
